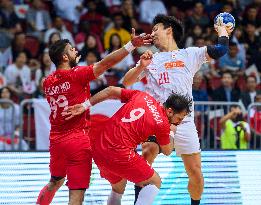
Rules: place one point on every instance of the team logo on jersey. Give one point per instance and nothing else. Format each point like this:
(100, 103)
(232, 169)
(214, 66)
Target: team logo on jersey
(174, 64)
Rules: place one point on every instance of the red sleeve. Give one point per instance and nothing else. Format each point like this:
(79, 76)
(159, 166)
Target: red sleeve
(127, 94)
(162, 134)
(84, 74)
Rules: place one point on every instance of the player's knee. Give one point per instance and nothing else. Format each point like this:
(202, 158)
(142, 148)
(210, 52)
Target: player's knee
(56, 182)
(156, 180)
(195, 174)
(150, 151)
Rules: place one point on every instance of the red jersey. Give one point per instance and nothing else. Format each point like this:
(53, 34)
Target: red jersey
(134, 122)
(65, 88)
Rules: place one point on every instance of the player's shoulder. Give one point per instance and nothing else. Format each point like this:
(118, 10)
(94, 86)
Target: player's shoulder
(194, 49)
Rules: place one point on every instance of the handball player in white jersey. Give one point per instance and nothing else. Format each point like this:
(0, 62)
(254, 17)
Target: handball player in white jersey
(172, 70)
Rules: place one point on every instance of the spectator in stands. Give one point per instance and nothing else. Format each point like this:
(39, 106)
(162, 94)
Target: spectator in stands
(226, 92)
(238, 38)
(195, 33)
(236, 132)
(2, 80)
(31, 85)
(129, 15)
(18, 45)
(255, 119)
(252, 43)
(251, 17)
(232, 61)
(199, 94)
(9, 123)
(38, 20)
(100, 83)
(47, 66)
(151, 8)
(91, 43)
(69, 10)
(8, 18)
(96, 20)
(122, 67)
(5, 50)
(249, 95)
(198, 17)
(59, 27)
(17, 74)
(118, 28)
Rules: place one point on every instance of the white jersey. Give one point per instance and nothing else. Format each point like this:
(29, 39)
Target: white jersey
(173, 72)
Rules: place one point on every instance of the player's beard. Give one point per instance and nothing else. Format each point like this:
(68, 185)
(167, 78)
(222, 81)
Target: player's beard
(73, 62)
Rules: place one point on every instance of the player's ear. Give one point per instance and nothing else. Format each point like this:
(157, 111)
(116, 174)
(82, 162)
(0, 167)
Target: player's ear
(169, 31)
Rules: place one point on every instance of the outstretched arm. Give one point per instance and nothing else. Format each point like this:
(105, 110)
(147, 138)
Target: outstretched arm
(108, 93)
(116, 56)
(221, 48)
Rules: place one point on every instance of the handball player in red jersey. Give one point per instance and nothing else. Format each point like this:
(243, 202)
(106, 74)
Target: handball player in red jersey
(70, 150)
(114, 141)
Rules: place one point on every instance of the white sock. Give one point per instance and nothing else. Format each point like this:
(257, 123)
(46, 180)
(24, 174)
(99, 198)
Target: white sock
(147, 195)
(114, 198)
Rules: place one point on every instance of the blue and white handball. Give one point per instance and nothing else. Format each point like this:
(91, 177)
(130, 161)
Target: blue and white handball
(225, 19)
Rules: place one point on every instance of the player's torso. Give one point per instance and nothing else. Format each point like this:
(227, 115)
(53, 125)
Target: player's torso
(62, 90)
(135, 121)
(169, 72)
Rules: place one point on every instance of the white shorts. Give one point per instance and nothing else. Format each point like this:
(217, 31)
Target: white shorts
(186, 138)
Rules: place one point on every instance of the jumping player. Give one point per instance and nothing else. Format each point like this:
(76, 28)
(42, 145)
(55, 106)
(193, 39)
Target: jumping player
(172, 70)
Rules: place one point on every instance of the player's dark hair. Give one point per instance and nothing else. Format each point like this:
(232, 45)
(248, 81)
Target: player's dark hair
(178, 103)
(56, 51)
(175, 24)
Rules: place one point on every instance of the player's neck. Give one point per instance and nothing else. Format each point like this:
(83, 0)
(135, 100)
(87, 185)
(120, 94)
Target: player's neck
(169, 46)
(64, 66)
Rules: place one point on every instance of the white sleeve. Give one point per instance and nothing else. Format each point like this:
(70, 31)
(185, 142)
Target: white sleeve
(196, 56)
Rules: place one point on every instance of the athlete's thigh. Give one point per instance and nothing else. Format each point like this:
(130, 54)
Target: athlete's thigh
(79, 163)
(120, 186)
(186, 139)
(192, 162)
(57, 164)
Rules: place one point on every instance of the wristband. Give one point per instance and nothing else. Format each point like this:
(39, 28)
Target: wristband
(129, 47)
(87, 104)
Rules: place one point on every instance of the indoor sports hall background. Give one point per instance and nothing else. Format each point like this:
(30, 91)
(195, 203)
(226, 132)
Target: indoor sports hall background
(29, 27)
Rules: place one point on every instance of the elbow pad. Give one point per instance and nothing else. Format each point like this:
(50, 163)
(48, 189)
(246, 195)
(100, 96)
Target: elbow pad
(219, 49)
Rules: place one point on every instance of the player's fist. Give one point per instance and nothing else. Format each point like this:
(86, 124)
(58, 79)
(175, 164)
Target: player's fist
(146, 58)
(140, 40)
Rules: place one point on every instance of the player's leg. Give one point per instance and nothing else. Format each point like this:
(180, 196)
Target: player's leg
(186, 145)
(58, 173)
(46, 195)
(138, 171)
(150, 150)
(117, 192)
(79, 165)
(192, 165)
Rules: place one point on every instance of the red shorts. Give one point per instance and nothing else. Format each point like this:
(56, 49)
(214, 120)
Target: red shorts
(134, 168)
(72, 158)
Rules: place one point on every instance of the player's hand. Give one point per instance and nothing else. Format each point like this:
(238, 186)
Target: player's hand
(73, 111)
(140, 40)
(173, 128)
(146, 58)
(223, 30)
(78, 59)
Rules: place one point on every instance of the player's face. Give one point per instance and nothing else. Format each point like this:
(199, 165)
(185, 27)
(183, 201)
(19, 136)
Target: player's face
(176, 118)
(71, 54)
(159, 35)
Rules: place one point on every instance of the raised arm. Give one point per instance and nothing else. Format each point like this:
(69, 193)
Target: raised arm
(134, 74)
(116, 56)
(221, 48)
